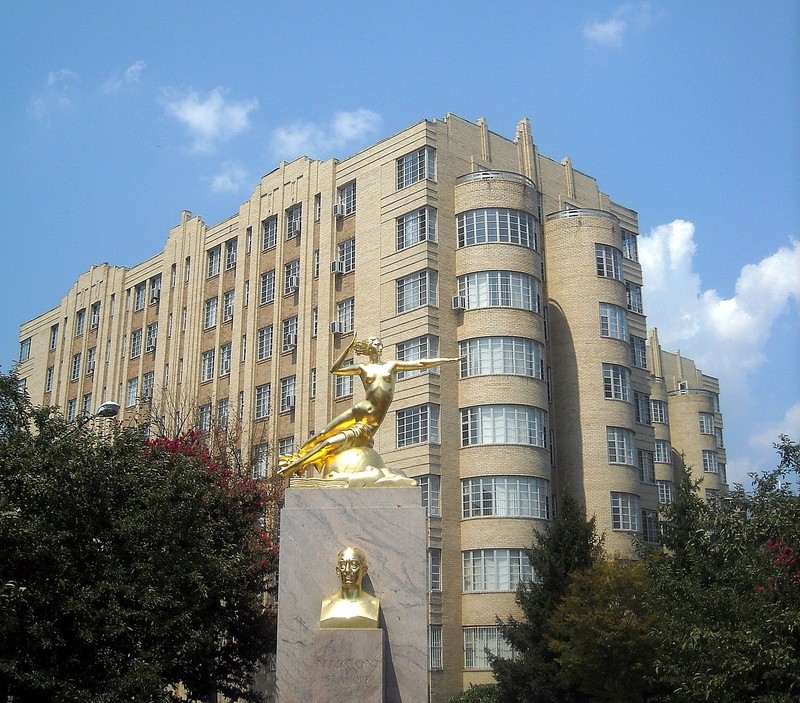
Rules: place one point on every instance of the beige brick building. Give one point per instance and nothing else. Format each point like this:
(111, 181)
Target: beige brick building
(445, 240)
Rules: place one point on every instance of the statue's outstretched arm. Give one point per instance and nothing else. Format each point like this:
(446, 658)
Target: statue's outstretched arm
(337, 367)
(418, 364)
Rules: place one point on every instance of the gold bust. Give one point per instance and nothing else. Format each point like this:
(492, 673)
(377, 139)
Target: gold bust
(351, 608)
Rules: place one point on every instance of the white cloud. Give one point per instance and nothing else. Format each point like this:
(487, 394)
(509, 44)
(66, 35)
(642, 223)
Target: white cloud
(230, 179)
(210, 120)
(766, 435)
(127, 80)
(56, 95)
(314, 140)
(611, 32)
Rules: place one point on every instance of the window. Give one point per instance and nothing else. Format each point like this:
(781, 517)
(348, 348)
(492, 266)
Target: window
(222, 413)
(225, 353)
(663, 453)
(48, 379)
(417, 166)
(507, 289)
(429, 485)
(207, 365)
(132, 392)
(505, 496)
(91, 357)
(415, 227)
(625, 512)
(260, 466)
(666, 491)
(210, 313)
(94, 320)
(515, 356)
(288, 393)
(291, 276)
(204, 418)
(72, 409)
(613, 321)
(346, 254)
(264, 343)
(435, 659)
(136, 344)
(347, 198)
(76, 367)
(316, 263)
(155, 289)
(495, 569)
(639, 352)
(343, 386)
(706, 423)
(213, 261)
(312, 384)
(719, 438)
(609, 261)
(620, 445)
(647, 470)
(634, 292)
(314, 322)
(503, 424)
(710, 465)
(723, 472)
(434, 569)
(496, 225)
(53, 336)
(187, 268)
(616, 382)
(715, 402)
(630, 247)
(712, 496)
(80, 322)
(650, 526)
(294, 220)
(25, 349)
(416, 290)
(289, 334)
(346, 314)
(139, 296)
(86, 406)
(267, 294)
(262, 401)
(227, 305)
(230, 254)
(418, 425)
(641, 402)
(285, 446)
(269, 233)
(317, 207)
(480, 643)
(658, 411)
(425, 347)
(148, 382)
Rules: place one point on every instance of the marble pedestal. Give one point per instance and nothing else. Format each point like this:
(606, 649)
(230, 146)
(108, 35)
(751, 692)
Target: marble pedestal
(389, 525)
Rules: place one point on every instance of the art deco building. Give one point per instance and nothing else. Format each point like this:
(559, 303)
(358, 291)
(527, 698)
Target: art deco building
(444, 240)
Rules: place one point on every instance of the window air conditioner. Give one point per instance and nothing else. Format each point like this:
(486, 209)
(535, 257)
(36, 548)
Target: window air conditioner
(289, 402)
(338, 210)
(292, 284)
(459, 302)
(291, 341)
(337, 267)
(336, 327)
(150, 348)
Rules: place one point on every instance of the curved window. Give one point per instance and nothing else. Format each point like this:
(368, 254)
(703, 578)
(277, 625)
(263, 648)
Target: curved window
(488, 356)
(505, 496)
(616, 382)
(620, 446)
(613, 321)
(495, 569)
(500, 289)
(625, 513)
(496, 225)
(503, 424)
(609, 261)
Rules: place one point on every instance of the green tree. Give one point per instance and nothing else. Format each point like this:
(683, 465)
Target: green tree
(567, 544)
(129, 569)
(728, 591)
(477, 693)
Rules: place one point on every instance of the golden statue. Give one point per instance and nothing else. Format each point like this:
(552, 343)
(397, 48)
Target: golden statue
(343, 450)
(351, 608)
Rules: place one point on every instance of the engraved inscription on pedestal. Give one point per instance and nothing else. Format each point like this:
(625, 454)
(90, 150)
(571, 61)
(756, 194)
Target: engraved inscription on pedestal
(349, 666)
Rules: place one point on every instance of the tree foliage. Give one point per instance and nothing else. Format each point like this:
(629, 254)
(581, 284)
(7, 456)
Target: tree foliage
(129, 569)
(477, 693)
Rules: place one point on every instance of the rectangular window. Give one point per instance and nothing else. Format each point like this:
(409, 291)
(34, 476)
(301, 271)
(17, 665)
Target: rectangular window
(434, 569)
(634, 292)
(225, 353)
(204, 418)
(267, 294)
(139, 296)
(132, 392)
(288, 385)
(317, 207)
(264, 343)
(80, 322)
(495, 569)
(650, 526)
(91, 358)
(285, 446)
(346, 315)
(666, 491)
(416, 166)
(314, 322)
(260, 466)
(647, 470)
(53, 336)
(609, 261)
(429, 485)
(424, 347)
(641, 402)
(294, 220)
(151, 337)
(663, 453)
(417, 290)
(346, 254)
(289, 334)
(482, 642)
(613, 321)
(136, 344)
(435, 658)
(625, 512)
(210, 313)
(719, 438)
(148, 382)
(269, 233)
(312, 384)
(230, 254)
(25, 349)
(630, 248)
(94, 321)
(48, 379)
(710, 465)
(207, 365)
(616, 382)
(658, 411)
(347, 198)
(227, 305)
(86, 406)
(213, 257)
(706, 423)
(155, 289)
(343, 386)
(222, 413)
(415, 227)
(262, 401)
(639, 352)
(72, 409)
(418, 425)
(291, 276)
(620, 446)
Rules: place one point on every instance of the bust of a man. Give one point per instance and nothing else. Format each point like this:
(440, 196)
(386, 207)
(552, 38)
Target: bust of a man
(351, 608)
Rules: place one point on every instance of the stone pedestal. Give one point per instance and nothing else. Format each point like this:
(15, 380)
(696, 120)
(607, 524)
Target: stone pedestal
(389, 525)
(349, 665)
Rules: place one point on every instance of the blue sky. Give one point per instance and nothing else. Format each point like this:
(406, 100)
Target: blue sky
(117, 116)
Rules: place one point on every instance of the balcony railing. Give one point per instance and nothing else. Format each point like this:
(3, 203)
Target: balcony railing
(495, 176)
(582, 212)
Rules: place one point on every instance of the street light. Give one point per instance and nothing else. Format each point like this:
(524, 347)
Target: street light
(107, 410)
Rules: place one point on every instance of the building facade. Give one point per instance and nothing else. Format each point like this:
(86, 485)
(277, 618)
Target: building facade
(444, 240)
